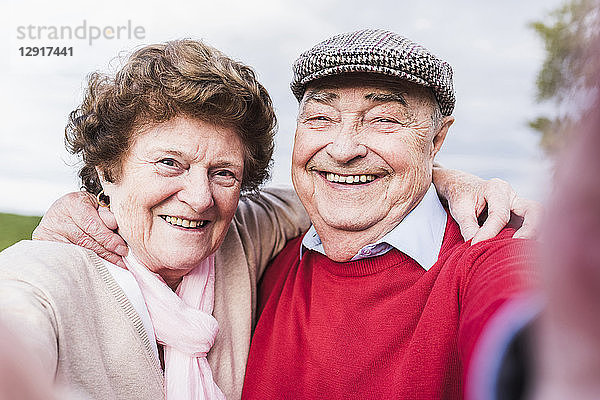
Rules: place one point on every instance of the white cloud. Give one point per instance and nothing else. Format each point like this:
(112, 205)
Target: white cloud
(422, 24)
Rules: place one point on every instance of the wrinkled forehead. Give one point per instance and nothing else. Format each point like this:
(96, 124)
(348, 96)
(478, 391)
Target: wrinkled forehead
(377, 87)
(376, 82)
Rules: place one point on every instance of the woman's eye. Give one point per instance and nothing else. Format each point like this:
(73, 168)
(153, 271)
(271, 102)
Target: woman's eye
(169, 162)
(225, 177)
(169, 167)
(225, 174)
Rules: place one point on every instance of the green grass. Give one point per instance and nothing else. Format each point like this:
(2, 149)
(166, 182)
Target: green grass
(16, 227)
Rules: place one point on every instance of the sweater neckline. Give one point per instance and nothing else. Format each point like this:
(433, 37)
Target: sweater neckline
(132, 315)
(362, 267)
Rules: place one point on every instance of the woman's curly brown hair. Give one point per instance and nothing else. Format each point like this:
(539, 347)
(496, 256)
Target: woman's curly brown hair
(159, 82)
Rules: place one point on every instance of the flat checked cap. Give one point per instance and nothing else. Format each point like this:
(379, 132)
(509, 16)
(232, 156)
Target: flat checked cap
(377, 51)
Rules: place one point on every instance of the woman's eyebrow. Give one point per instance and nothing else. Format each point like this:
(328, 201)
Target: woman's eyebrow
(226, 164)
(387, 97)
(159, 149)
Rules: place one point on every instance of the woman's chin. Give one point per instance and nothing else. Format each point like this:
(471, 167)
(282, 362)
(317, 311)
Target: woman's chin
(173, 260)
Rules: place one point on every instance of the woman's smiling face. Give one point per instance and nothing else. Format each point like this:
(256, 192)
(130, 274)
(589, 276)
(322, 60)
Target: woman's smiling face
(178, 191)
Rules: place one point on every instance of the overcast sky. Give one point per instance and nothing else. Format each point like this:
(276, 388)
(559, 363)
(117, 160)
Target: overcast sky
(494, 54)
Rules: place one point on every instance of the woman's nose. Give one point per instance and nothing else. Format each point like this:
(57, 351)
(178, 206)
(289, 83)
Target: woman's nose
(346, 146)
(197, 192)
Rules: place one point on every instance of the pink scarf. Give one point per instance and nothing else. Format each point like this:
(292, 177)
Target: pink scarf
(184, 324)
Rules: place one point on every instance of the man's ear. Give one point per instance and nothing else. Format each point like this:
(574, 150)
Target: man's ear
(440, 136)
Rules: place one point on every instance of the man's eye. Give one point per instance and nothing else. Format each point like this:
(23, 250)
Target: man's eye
(316, 118)
(386, 120)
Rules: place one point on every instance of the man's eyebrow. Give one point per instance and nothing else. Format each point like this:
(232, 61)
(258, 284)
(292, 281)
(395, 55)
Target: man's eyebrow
(387, 97)
(320, 96)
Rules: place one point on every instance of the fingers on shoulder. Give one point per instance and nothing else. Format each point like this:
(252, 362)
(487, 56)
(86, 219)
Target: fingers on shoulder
(533, 214)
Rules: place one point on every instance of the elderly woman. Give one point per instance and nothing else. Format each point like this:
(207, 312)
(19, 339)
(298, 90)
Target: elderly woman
(168, 145)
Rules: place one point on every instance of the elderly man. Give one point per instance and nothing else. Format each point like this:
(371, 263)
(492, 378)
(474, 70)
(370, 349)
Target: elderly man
(362, 306)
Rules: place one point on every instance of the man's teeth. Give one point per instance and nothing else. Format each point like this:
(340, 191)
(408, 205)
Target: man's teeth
(331, 177)
(186, 223)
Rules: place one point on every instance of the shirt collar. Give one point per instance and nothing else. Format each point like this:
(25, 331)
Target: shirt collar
(419, 235)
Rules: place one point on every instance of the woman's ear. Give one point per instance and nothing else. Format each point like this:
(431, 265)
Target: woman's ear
(106, 185)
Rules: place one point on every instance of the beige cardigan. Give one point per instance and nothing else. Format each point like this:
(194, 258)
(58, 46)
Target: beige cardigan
(65, 304)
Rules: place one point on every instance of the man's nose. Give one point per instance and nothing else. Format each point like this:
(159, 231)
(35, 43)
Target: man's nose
(346, 145)
(197, 191)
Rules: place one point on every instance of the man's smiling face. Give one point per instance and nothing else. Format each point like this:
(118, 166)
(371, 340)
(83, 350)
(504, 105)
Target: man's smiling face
(363, 156)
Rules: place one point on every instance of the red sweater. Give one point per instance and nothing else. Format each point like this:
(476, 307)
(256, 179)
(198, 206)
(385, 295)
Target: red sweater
(382, 327)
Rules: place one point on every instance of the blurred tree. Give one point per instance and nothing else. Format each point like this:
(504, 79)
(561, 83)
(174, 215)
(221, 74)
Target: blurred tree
(566, 78)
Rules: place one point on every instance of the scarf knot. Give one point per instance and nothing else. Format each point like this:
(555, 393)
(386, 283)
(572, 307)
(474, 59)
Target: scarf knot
(184, 325)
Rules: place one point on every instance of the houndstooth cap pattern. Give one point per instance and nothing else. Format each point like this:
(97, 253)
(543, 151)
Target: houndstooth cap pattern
(376, 51)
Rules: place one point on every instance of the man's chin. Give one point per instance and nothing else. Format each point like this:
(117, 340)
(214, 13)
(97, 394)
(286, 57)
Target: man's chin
(349, 224)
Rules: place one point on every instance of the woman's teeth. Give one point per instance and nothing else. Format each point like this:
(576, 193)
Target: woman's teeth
(331, 177)
(186, 223)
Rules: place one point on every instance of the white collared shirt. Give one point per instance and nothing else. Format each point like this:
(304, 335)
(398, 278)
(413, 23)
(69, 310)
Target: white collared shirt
(419, 235)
